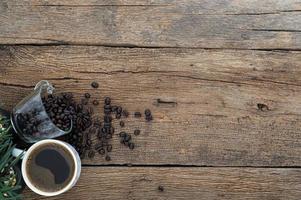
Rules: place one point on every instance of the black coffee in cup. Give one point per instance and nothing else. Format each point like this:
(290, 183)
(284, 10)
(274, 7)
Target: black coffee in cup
(50, 167)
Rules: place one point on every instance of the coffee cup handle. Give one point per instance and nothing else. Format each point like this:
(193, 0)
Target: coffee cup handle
(18, 152)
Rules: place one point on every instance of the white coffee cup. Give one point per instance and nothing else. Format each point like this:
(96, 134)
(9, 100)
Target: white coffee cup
(26, 155)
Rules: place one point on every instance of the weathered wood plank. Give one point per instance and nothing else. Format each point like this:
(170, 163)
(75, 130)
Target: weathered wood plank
(183, 183)
(248, 24)
(214, 119)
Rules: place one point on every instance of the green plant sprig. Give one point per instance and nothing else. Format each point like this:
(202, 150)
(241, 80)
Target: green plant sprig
(7, 161)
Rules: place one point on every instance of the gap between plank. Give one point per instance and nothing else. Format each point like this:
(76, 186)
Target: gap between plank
(132, 46)
(186, 166)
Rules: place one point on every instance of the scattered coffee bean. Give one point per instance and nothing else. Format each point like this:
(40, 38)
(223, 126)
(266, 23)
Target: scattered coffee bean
(114, 108)
(262, 107)
(89, 142)
(94, 84)
(101, 151)
(147, 112)
(137, 114)
(108, 158)
(161, 188)
(149, 118)
(136, 132)
(122, 134)
(148, 115)
(107, 118)
(127, 137)
(103, 130)
(91, 154)
(131, 146)
(107, 126)
(111, 130)
(95, 102)
(125, 113)
(118, 116)
(108, 136)
(107, 100)
(107, 109)
(98, 146)
(109, 148)
(87, 95)
(97, 123)
(119, 110)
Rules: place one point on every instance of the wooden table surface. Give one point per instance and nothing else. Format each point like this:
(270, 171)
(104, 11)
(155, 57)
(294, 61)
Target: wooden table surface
(222, 78)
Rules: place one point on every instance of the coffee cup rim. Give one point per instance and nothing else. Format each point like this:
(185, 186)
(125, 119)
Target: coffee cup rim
(28, 182)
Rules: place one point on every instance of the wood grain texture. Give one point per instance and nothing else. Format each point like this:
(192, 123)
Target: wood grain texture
(245, 24)
(183, 183)
(207, 113)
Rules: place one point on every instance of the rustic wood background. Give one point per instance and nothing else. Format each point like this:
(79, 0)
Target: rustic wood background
(222, 78)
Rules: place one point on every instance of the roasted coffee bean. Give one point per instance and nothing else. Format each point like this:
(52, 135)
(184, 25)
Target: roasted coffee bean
(118, 116)
(147, 112)
(79, 108)
(89, 142)
(161, 188)
(103, 130)
(90, 110)
(119, 110)
(101, 151)
(108, 158)
(91, 154)
(87, 95)
(107, 107)
(99, 135)
(107, 118)
(122, 134)
(136, 132)
(107, 112)
(108, 136)
(109, 148)
(107, 125)
(121, 123)
(95, 102)
(107, 100)
(127, 137)
(149, 118)
(98, 146)
(125, 113)
(97, 124)
(114, 108)
(131, 146)
(105, 142)
(111, 130)
(94, 84)
(137, 114)
(122, 141)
